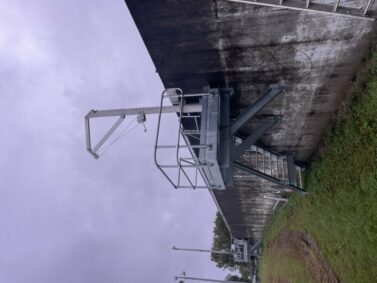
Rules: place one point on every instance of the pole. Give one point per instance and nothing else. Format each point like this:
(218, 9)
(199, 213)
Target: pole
(207, 280)
(202, 251)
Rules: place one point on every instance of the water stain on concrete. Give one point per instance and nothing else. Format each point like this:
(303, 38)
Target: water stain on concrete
(198, 43)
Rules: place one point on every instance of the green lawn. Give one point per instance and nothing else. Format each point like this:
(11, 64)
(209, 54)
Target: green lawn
(340, 211)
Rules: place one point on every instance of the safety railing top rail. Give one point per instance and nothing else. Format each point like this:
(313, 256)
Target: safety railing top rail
(187, 170)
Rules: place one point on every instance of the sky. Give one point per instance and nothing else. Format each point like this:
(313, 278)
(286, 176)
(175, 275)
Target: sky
(64, 216)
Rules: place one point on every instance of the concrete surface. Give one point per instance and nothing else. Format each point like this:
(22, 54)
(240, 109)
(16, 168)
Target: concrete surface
(218, 43)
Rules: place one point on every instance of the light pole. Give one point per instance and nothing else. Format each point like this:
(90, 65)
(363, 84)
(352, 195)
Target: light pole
(183, 277)
(203, 251)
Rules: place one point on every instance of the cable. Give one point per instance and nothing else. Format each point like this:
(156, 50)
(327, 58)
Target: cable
(121, 135)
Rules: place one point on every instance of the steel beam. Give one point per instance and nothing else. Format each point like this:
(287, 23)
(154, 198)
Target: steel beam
(367, 7)
(245, 116)
(108, 134)
(256, 135)
(187, 108)
(122, 113)
(291, 170)
(267, 177)
(225, 153)
(255, 246)
(209, 133)
(336, 5)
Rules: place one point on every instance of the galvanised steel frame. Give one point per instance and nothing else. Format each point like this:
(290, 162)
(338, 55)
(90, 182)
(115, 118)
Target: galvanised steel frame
(203, 158)
(208, 135)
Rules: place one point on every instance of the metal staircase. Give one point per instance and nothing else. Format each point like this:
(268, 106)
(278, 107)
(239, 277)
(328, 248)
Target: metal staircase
(277, 167)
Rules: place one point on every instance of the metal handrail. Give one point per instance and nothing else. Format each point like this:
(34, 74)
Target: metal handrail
(156, 142)
(182, 164)
(178, 142)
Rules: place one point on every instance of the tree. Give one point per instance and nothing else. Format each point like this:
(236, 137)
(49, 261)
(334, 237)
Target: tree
(222, 241)
(231, 277)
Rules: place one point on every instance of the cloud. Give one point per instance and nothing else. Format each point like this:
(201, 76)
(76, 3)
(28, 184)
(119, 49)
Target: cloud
(64, 216)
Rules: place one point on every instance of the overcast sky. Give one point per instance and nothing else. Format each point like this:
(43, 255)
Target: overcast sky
(65, 217)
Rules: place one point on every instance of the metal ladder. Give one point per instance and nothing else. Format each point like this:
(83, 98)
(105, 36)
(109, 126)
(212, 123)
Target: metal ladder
(306, 5)
(270, 164)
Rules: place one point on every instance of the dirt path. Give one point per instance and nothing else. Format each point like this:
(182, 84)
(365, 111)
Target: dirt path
(300, 246)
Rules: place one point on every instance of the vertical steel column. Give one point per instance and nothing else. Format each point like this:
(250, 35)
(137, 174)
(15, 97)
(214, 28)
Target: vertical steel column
(226, 143)
(291, 170)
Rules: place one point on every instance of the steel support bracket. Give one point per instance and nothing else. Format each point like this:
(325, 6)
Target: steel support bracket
(245, 116)
(255, 247)
(256, 135)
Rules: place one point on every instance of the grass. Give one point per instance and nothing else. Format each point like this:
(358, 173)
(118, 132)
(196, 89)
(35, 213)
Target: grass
(340, 211)
(291, 268)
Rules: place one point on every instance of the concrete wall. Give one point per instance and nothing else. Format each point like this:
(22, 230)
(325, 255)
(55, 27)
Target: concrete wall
(218, 43)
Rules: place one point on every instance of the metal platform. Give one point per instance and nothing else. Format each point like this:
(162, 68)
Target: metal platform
(205, 142)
